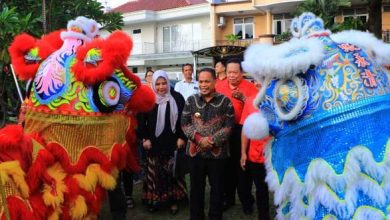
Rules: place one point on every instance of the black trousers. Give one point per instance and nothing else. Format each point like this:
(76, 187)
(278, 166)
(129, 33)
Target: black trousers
(235, 178)
(201, 168)
(258, 173)
(117, 200)
(128, 177)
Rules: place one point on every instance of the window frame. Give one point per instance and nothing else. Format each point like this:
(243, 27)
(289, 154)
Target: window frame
(243, 24)
(355, 14)
(283, 18)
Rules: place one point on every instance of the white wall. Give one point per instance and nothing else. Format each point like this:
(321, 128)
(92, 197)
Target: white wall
(202, 39)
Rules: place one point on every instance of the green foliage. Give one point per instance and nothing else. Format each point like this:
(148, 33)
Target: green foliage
(59, 14)
(232, 38)
(285, 36)
(326, 9)
(349, 24)
(13, 23)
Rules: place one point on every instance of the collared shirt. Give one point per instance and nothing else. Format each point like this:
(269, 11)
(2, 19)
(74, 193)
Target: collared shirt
(247, 89)
(213, 119)
(220, 82)
(186, 89)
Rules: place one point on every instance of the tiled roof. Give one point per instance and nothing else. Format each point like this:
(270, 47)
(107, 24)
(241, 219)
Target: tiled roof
(155, 5)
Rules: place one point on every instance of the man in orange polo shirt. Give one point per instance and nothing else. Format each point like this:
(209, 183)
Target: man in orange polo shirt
(237, 89)
(252, 161)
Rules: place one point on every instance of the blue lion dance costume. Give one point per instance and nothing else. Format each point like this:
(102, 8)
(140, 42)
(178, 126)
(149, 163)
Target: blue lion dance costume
(326, 100)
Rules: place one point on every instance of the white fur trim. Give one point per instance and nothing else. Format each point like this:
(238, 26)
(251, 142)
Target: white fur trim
(260, 95)
(89, 27)
(253, 53)
(295, 28)
(379, 49)
(284, 60)
(361, 173)
(256, 126)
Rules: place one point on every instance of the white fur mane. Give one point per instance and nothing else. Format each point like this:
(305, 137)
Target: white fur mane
(284, 60)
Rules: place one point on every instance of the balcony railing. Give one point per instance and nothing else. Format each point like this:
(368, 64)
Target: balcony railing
(386, 36)
(169, 47)
(242, 43)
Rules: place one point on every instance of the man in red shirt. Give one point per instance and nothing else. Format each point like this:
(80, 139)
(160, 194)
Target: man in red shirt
(220, 69)
(252, 161)
(237, 89)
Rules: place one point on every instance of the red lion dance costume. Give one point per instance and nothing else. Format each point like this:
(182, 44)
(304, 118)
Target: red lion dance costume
(77, 126)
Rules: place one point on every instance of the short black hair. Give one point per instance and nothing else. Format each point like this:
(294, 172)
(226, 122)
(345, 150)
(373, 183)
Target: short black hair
(220, 61)
(210, 70)
(187, 64)
(148, 70)
(235, 60)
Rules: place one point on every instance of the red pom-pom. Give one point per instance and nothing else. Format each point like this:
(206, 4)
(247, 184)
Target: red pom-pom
(53, 39)
(114, 51)
(142, 100)
(18, 49)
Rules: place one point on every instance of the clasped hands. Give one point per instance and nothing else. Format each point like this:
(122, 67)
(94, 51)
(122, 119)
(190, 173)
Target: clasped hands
(205, 143)
(147, 144)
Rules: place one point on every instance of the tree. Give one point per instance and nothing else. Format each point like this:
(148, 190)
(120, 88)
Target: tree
(11, 23)
(374, 23)
(325, 9)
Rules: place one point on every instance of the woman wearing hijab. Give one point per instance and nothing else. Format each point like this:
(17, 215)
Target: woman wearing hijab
(161, 134)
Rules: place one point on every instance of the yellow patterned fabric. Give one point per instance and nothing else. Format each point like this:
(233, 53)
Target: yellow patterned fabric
(75, 133)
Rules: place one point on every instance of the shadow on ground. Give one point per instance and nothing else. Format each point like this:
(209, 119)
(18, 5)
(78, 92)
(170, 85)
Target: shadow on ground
(140, 211)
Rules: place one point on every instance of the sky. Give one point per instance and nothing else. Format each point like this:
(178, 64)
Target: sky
(113, 3)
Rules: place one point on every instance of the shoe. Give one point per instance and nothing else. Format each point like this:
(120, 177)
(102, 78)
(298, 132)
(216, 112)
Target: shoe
(130, 202)
(174, 209)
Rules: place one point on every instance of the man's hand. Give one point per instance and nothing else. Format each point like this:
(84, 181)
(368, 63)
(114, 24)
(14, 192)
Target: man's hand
(180, 143)
(205, 143)
(239, 95)
(147, 144)
(243, 160)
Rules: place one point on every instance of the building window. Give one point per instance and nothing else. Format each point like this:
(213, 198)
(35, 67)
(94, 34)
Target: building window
(360, 13)
(243, 27)
(183, 37)
(136, 31)
(281, 23)
(134, 69)
(170, 34)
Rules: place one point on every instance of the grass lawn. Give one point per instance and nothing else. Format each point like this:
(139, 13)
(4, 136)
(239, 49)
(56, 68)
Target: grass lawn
(140, 211)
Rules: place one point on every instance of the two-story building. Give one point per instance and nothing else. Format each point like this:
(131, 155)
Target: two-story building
(165, 32)
(260, 20)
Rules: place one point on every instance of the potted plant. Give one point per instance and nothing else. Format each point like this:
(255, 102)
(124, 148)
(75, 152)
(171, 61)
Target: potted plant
(232, 38)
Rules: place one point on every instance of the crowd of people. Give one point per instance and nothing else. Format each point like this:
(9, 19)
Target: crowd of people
(204, 118)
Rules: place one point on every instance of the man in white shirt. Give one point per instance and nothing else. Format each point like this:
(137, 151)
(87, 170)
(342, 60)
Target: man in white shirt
(187, 86)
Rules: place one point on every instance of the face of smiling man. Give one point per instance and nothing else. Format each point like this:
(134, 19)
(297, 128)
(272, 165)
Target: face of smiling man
(206, 83)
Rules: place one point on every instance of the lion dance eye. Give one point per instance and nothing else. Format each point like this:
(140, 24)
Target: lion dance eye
(106, 95)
